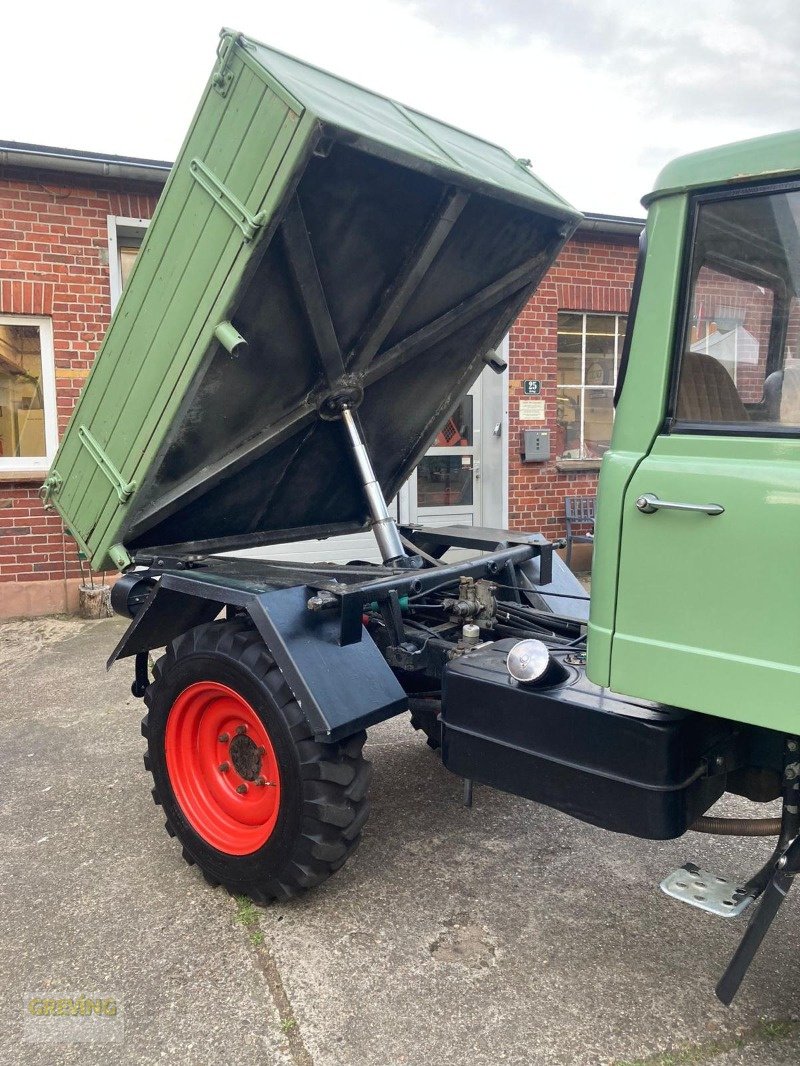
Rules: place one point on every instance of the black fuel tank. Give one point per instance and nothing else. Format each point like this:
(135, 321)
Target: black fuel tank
(622, 764)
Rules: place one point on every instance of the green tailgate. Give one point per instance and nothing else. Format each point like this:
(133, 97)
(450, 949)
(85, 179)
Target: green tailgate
(358, 246)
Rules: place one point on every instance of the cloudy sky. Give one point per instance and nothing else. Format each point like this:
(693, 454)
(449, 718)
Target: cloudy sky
(597, 93)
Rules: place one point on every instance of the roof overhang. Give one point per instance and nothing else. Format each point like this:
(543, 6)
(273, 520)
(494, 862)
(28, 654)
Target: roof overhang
(24, 156)
(611, 225)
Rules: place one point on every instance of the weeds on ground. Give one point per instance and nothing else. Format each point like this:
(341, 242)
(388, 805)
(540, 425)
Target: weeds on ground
(247, 915)
(764, 1032)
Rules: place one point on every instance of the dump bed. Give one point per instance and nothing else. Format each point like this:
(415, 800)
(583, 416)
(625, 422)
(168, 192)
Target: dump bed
(314, 242)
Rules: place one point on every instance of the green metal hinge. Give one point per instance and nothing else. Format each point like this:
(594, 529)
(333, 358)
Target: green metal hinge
(119, 556)
(232, 206)
(124, 489)
(222, 77)
(51, 487)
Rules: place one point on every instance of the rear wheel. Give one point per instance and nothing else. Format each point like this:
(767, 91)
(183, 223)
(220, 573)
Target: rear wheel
(256, 802)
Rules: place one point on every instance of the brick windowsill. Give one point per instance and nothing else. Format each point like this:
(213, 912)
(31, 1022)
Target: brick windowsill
(578, 466)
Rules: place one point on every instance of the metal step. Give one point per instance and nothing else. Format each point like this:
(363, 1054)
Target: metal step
(708, 891)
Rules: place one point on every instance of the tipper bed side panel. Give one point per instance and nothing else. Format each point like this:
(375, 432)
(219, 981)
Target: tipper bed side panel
(151, 350)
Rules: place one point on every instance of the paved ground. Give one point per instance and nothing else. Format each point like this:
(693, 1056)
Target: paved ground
(502, 934)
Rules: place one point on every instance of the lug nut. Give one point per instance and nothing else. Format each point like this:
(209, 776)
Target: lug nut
(241, 789)
(224, 767)
(240, 729)
(261, 781)
(223, 738)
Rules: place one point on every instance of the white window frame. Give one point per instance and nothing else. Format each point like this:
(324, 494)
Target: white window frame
(30, 463)
(119, 226)
(583, 387)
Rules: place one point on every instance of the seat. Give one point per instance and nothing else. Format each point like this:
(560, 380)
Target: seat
(579, 511)
(781, 400)
(773, 393)
(789, 412)
(706, 392)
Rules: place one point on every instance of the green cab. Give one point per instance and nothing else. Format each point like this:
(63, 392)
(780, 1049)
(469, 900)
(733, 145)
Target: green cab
(696, 568)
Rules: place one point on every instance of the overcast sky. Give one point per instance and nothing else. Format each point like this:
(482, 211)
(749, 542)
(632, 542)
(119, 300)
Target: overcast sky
(599, 94)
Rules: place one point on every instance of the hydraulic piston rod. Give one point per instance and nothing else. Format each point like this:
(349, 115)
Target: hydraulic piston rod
(383, 525)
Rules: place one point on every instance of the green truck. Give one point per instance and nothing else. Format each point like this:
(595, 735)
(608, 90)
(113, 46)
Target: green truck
(326, 275)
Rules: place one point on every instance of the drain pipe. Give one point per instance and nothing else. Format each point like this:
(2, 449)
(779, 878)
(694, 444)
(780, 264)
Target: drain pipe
(383, 525)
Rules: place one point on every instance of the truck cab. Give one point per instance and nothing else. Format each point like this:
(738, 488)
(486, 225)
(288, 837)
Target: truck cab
(695, 577)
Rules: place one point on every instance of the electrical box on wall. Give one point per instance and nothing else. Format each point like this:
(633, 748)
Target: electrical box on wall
(535, 445)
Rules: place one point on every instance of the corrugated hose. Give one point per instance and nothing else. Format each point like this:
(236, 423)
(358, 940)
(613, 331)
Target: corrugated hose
(738, 827)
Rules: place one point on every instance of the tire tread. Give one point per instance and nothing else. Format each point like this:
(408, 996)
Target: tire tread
(334, 777)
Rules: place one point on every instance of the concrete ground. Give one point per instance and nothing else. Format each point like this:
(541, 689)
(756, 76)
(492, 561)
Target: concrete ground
(506, 933)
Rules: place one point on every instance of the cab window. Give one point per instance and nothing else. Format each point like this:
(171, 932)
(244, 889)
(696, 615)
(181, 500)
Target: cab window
(739, 367)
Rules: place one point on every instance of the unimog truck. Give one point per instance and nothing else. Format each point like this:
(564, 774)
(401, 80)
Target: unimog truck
(326, 275)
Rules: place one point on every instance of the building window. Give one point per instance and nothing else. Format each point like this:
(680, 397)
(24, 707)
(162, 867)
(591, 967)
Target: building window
(125, 236)
(589, 349)
(28, 424)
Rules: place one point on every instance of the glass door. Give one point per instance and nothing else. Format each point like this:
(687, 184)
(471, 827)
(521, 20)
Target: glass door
(445, 488)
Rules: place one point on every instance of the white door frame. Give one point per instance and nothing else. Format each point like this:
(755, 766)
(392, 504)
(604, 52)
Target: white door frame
(491, 486)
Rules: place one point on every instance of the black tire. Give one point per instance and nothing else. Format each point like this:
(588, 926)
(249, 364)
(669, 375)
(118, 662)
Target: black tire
(424, 717)
(323, 787)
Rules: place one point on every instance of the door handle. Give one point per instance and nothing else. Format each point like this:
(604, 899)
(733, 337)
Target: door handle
(647, 503)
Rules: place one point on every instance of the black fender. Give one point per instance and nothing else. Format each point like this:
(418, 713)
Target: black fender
(342, 688)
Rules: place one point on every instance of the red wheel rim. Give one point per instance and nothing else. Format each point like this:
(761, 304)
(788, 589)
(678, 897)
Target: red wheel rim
(222, 768)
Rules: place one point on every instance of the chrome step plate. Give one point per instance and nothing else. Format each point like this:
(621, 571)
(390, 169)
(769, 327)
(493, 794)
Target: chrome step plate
(706, 890)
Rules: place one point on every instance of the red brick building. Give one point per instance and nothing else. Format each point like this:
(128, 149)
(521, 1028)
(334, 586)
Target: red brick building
(569, 337)
(70, 226)
(64, 221)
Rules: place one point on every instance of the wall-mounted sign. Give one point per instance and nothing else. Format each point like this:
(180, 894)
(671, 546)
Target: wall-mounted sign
(531, 387)
(531, 410)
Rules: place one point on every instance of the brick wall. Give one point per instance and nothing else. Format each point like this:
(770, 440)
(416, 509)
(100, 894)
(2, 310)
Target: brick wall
(54, 262)
(591, 274)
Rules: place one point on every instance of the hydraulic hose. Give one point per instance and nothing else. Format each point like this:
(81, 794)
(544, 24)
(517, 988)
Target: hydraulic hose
(738, 827)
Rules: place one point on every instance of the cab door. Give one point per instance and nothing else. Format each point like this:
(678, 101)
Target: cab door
(708, 592)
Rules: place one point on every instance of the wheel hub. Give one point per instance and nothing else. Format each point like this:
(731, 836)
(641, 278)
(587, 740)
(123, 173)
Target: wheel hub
(223, 768)
(246, 757)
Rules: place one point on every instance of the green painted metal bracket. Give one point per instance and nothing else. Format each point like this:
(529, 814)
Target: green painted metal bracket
(119, 556)
(124, 489)
(232, 206)
(230, 338)
(50, 488)
(222, 77)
